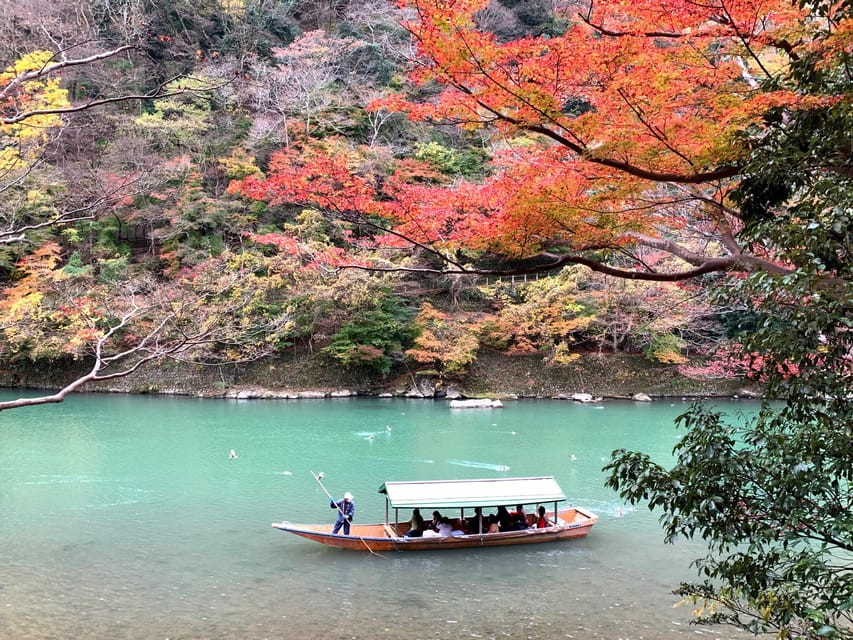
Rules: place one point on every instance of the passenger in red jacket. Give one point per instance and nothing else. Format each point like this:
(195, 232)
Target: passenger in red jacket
(541, 520)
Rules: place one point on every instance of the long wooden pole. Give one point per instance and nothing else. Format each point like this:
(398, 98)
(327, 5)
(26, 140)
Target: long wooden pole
(317, 478)
(326, 491)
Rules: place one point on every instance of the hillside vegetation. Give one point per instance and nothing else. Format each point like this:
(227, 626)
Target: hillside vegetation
(140, 150)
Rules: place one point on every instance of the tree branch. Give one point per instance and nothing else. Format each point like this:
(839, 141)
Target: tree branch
(709, 265)
(35, 74)
(156, 94)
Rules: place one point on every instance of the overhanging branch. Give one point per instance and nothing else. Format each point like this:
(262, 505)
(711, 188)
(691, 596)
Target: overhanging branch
(710, 265)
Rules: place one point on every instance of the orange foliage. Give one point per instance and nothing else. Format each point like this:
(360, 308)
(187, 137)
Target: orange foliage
(445, 341)
(36, 319)
(633, 96)
(625, 131)
(37, 271)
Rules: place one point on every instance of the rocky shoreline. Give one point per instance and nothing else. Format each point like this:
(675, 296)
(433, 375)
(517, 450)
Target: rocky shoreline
(592, 377)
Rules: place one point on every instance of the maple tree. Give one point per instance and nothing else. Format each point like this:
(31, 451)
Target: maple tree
(448, 342)
(545, 315)
(619, 144)
(641, 116)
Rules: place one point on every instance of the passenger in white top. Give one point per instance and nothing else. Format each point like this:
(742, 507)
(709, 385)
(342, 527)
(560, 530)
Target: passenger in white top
(444, 527)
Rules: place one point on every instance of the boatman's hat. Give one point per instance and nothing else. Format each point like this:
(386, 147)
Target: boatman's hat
(347, 496)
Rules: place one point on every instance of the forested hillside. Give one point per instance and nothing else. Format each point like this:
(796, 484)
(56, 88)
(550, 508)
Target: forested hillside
(386, 185)
(147, 210)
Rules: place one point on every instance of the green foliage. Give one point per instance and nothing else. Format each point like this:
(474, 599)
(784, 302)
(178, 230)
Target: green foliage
(109, 233)
(261, 27)
(666, 348)
(513, 19)
(75, 267)
(739, 323)
(198, 224)
(368, 60)
(181, 121)
(375, 337)
(468, 162)
(112, 269)
(771, 496)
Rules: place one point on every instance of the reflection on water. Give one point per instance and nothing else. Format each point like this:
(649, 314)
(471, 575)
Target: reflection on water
(124, 517)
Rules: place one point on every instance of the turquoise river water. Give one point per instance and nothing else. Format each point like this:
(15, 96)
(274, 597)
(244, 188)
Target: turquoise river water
(124, 518)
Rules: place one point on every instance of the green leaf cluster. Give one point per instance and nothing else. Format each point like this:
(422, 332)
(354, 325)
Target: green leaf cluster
(375, 337)
(771, 495)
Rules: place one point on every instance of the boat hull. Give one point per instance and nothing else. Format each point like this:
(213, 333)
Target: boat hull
(572, 523)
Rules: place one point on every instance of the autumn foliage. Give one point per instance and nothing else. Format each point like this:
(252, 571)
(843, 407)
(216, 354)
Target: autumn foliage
(616, 144)
(612, 135)
(22, 91)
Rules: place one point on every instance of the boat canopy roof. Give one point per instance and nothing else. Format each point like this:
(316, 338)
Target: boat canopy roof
(472, 493)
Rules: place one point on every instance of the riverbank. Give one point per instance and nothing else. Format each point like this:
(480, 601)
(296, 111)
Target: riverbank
(316, 376)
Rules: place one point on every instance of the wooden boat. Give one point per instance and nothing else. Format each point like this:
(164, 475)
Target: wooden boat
(566, 523)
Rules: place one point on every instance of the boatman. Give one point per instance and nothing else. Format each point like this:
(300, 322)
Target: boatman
(346, 511)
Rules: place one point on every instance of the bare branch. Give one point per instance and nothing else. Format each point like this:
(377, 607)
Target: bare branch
(156, 94)
(710, 265)
(176, 327)
(64, 63)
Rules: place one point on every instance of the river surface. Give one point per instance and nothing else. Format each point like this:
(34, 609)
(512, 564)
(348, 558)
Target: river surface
(124, 517)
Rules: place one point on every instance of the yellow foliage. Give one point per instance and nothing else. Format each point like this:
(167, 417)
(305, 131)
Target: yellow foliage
(445, 341)
(22, 141)
(239, 165)
(26, 306)
(233, 7)
(37, 198)
(670, 357)
(562, 356)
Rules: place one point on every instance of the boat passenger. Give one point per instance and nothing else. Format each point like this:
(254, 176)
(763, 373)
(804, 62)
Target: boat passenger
(505, 521)
(346, 511)
(478, 523)
(417, 525)
(519, 519)
(436, 519)
(445, 529)
(541, 520)
(494, 527)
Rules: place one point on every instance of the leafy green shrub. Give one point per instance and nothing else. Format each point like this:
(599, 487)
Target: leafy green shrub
(75, 266)
(666, 348)
(374, 337)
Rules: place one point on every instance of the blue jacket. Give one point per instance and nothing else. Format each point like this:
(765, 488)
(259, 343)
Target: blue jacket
(346, 509)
